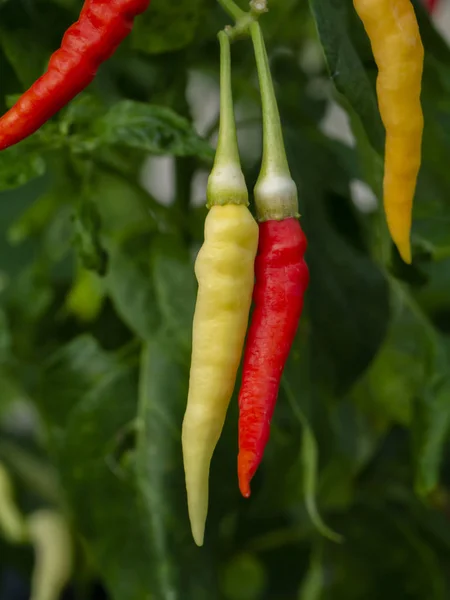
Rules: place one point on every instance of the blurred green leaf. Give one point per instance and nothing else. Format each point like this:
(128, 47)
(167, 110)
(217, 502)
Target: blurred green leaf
(68, 375)
(26, 54)
(345, 66)
(181, 571)
(18, 166)
(175, 288)
(87, 237)
(102, 495)
(131, 288)
(167, 27)
(405, 363)
(153, 129)
(431, 425)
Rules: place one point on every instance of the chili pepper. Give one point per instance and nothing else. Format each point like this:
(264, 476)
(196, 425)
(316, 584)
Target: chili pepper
(224, 270)
(101, 27)
(52, 543)
(11, 521)
(392, 28)
(281, 280)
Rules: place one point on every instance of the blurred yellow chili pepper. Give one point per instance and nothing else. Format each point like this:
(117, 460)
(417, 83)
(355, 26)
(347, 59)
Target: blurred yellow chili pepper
(397, 48)
(225, 274)
(52, 542)
(12, 524)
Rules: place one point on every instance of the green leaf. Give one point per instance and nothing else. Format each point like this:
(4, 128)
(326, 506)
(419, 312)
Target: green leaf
(431, 425)
(348, 295)
(87, 237)
(69, 374)
(405, 363)
(344, 64)
(167, 26)
(175, 288)
(18, 165)
(131, 288)
(181, 572)
(153, 129)
(103, 497)
(25, 53)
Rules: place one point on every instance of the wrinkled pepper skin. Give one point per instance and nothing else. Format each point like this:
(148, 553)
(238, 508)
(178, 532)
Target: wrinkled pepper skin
(282, 277)
(393, 31)
(225, 274)
(101, 27)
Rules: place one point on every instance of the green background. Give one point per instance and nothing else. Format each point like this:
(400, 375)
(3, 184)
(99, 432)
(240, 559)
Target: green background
(97, 293)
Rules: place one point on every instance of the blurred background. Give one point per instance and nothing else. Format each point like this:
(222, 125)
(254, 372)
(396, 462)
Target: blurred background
(101, 217)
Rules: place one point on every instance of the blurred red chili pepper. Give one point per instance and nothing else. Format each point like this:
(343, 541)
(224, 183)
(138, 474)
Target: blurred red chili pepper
(101, 27)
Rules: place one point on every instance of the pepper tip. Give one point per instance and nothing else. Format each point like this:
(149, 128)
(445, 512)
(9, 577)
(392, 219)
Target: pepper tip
(405, 251)
(245, 472)
(244, 486)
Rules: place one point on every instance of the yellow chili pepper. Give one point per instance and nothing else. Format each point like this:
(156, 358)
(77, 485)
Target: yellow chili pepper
(397, 48)
(225, 274)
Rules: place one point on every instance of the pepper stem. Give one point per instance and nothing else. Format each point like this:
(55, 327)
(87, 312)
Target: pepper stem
(275, 191)
(232, 9)
(226, 183)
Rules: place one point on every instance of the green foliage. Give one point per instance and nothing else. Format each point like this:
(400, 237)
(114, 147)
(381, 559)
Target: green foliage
(94, 368)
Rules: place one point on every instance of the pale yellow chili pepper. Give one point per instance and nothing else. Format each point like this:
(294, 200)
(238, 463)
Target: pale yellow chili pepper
(392, 28)
(52, 544)
(225, 274)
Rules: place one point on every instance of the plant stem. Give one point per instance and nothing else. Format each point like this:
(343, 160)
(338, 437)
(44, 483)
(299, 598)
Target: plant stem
(275, 191)
(227, 145)
(226, 184)
(274, 154)
(232, 9)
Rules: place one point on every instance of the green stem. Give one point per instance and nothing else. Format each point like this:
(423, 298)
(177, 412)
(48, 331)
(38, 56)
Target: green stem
(232, 9)
(275, 191)
(226, 184)
(274, 154)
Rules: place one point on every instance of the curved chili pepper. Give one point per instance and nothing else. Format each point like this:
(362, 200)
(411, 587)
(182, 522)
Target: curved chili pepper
(225, 274)
(281, 281)
(50, 536)
(101, 27)
(392, 28)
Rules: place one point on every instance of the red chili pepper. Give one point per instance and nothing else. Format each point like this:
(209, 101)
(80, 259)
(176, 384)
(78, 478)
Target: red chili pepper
(102, 26)
(281, 281)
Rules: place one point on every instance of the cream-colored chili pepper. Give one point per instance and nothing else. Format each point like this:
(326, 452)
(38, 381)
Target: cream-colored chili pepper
(397, 48)
(52, 544)
(225, 274)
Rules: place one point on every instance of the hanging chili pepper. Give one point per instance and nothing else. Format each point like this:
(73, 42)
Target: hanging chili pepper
(12, 524)
(392, 28)
(224, 270)
(51, 539)
(281, 280)
(101, 27)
